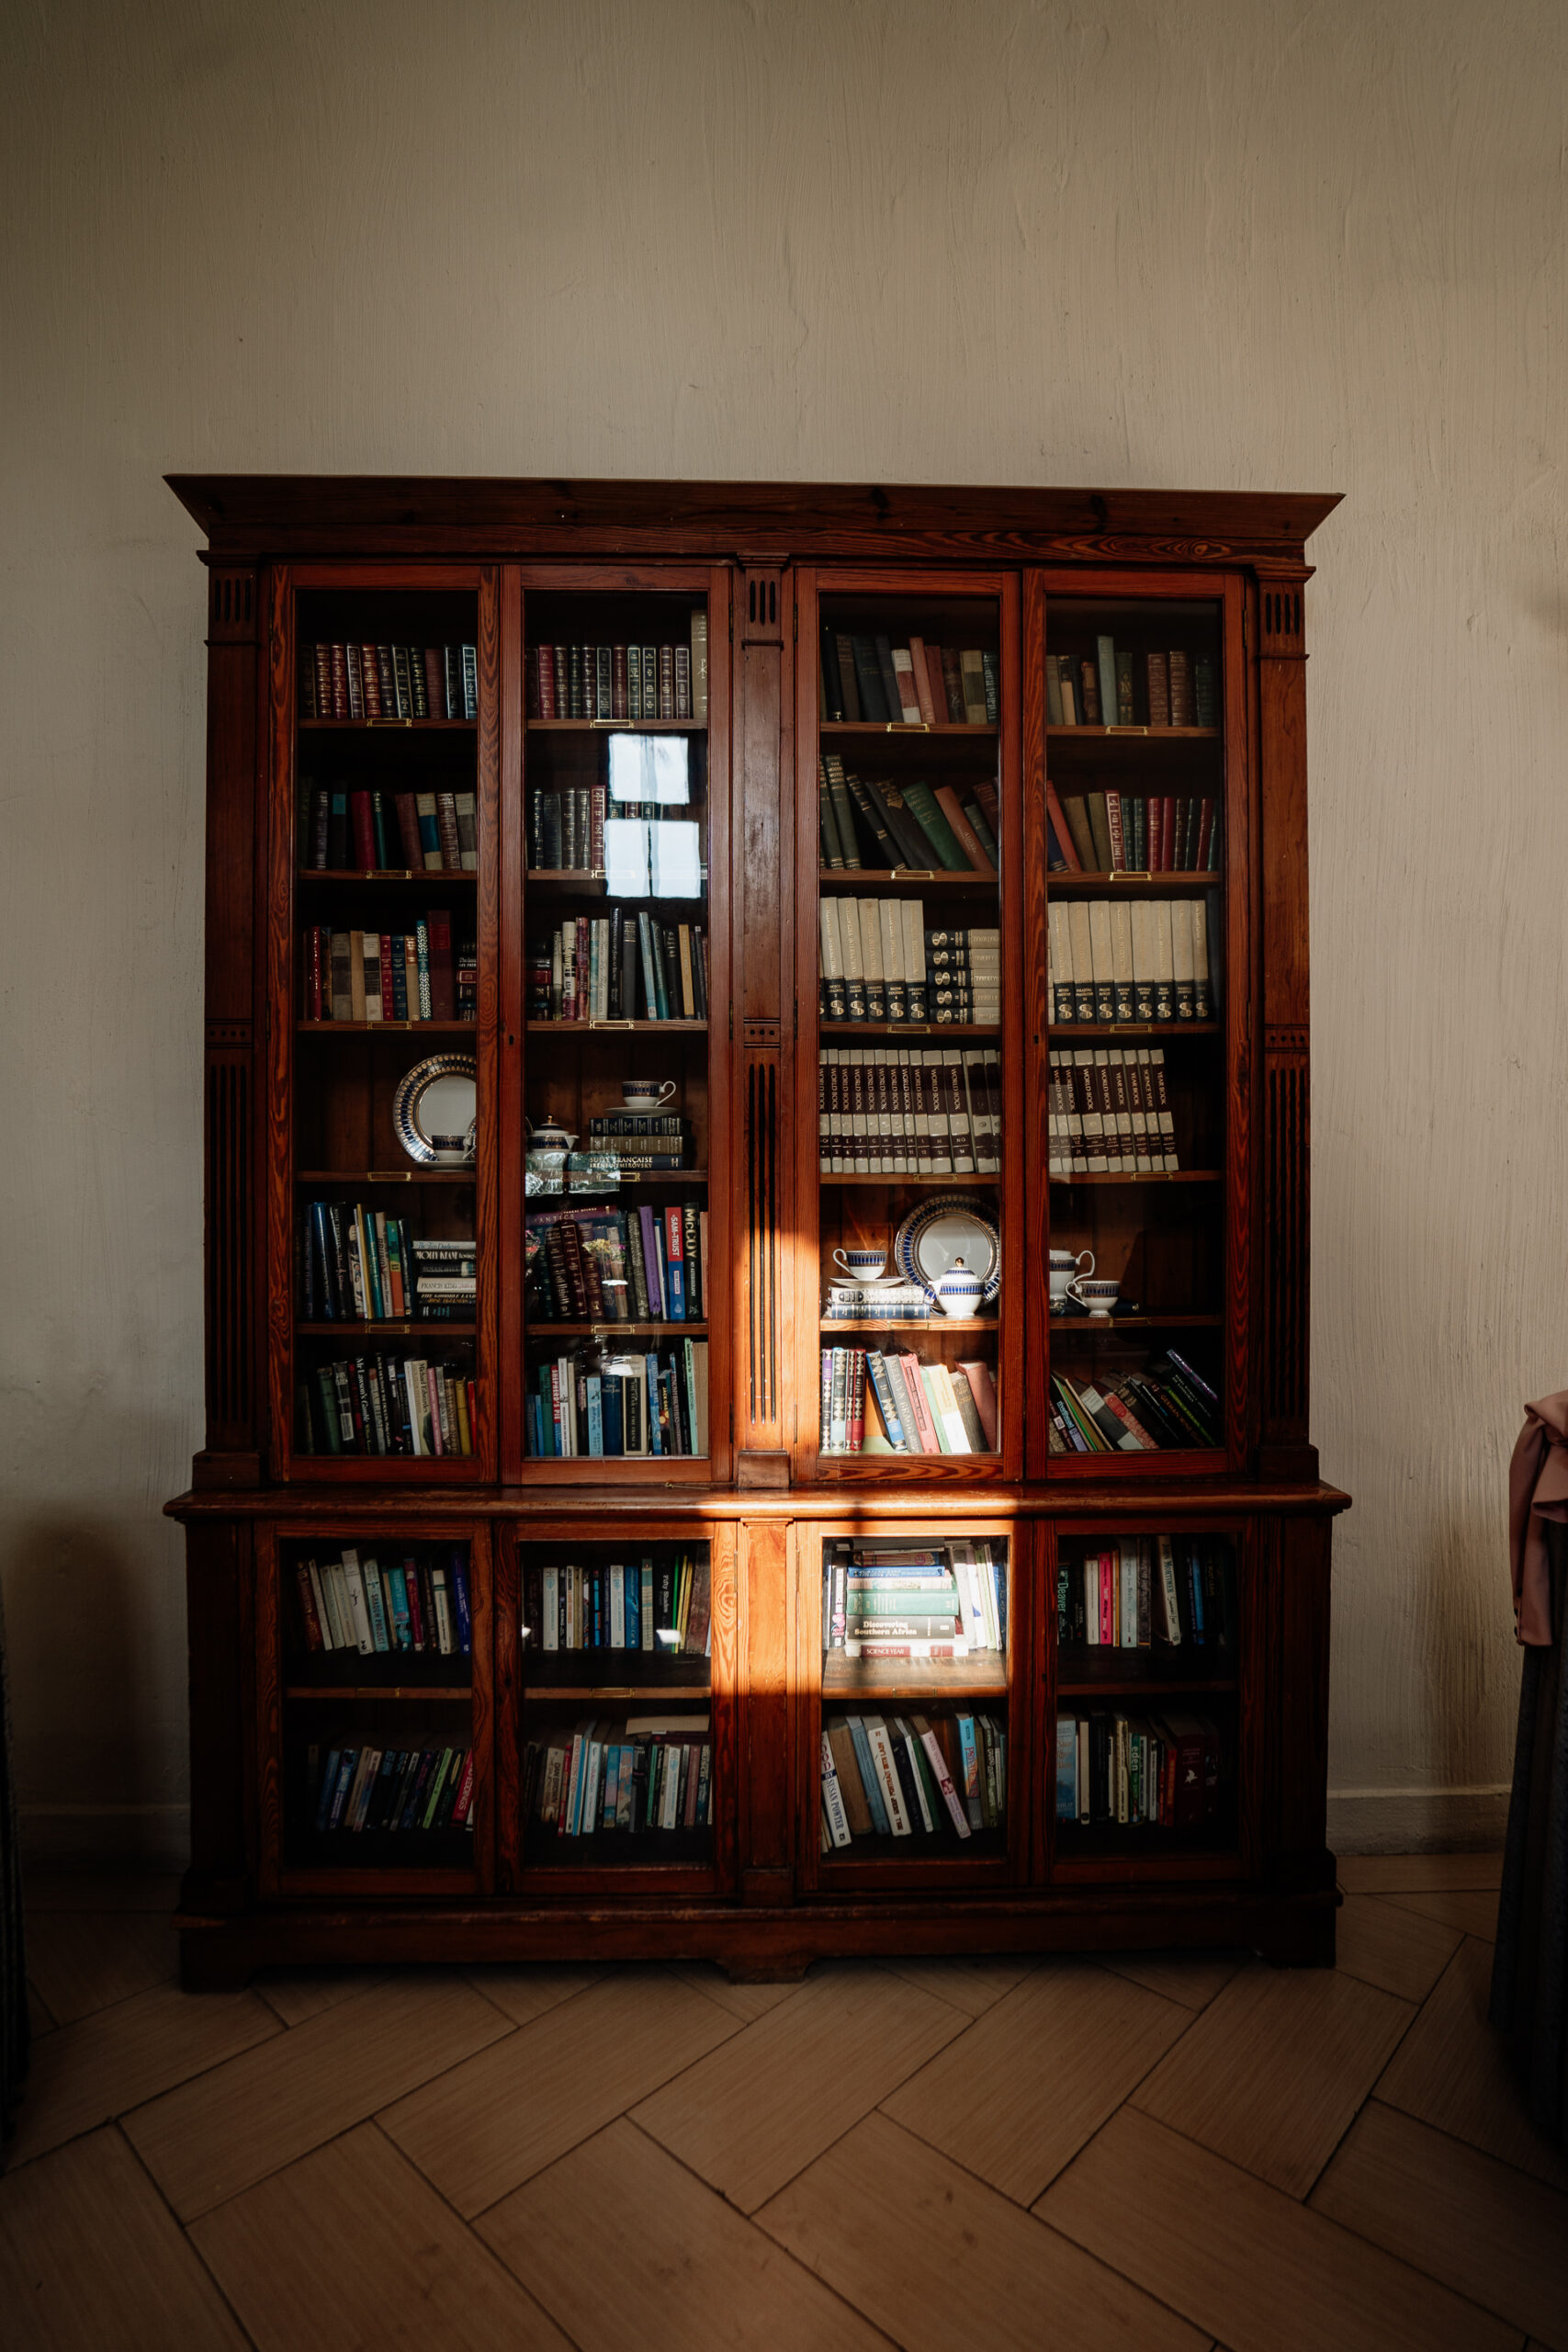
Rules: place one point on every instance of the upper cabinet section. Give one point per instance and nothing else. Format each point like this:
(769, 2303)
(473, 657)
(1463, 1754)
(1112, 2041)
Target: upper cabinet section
(625, 1283)
(1144, 829)
(909, 1266)
(383, 1258)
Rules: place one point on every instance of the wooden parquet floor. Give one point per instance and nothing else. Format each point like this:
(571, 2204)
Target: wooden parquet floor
(1138, 2150)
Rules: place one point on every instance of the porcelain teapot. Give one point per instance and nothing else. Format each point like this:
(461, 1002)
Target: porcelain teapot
(958, 1291)
(549, 1135)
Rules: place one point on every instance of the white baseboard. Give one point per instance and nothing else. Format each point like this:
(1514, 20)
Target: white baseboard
(81, 1837)
(1417, 1821)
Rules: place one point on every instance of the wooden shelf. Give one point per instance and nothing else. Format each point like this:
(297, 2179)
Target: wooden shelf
(1108, 1031)
(829, 728)
(630, 1176)
(905, 877)
(387, 726)
(342, 1692)
(687, 1693)
(539, 1330)
(933, 1029)
(617, 725)
(946, 1182)
(398, 874)
(359, 1028)
(385, 1176)
(1062, 883)
(1149, 1176)
(1134, 734)
(981, 1677)
(405, 1328)
(610, 1028)
(588, 883)
(1061, 1325)
(909, 1323)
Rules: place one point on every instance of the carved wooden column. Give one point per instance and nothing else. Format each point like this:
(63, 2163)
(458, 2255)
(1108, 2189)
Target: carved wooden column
(1285, 1449)
(233, 1200)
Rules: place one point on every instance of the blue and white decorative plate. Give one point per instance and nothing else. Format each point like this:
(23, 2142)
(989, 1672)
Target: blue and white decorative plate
(950, 1226)
(433, 1111)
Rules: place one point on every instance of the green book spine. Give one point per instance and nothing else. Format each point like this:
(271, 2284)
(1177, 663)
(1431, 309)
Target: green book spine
(844, 816)
(983, 832)
(921, 803)
(832, 848)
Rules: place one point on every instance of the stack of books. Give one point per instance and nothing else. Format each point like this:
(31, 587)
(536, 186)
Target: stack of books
(1117, 687)
(916, 1407)
(870, 824)
(410, 681)
(417, 1602)
(1166, 1770)
(635, 682)
(880, 676)
(637, 1774)
(920, 1776)
(601, 1265)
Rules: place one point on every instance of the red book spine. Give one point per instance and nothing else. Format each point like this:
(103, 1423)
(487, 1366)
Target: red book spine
(323, 682)
(596, 805)
(1059, 827)
(310, 1621)
(857, 1399)
(408, 831)
(618, 683)
(544, 681)
(340, 681)
(385, 975)
(370, 669)
(464, 1799)
(1167, 832)
(416, 1615)
(443, 989)
(316, 984)
(364, 831)
(435, 683)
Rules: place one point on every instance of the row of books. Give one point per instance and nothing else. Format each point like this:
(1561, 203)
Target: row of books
(408, 682)
(359, 1266)
(1148, 959)
(1108, 1113)
(896, 1303)
(906, 824)
(420, 974)
(879, 960)
(1116, 688)
(878, 677)
(910, 1110)
(619, 966)
(632, 1773)
(1130, 832)
(343, 829)
(1168, 1405)
(603, 1265)
(608, 1407)
(661, 1607)
(392, 1788)
(945, 828)
(386, 1405)
(1167, 1770)
(641, 1139)
(622, 681)
(918, 1776)
(566, 829)
(920, 1407)
(418, 1604)
(879, 1598)
(1147, 1592)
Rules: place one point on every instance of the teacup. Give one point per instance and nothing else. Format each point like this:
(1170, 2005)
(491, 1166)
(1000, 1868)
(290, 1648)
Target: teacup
(1066, 1272)
(453, 1151)
(647, 1094)
(1100, 1297)
(861, 1265)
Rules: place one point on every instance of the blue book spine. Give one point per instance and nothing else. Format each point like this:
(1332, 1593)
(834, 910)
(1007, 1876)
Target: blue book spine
(547, 1415)
(634, 1610)
(347, 1761)
(323, 1258)
(460, 1581)
(1195, 1587)
(675, 1287)
(655, 1439)
(401, 1637)
(610, 1393)
(596, 1417)
(873, 1786)
(328, 1784)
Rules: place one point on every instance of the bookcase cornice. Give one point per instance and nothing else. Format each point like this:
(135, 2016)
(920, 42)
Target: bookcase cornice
(399, 516)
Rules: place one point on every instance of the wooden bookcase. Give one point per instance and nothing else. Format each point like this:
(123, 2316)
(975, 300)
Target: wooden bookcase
(1125, 1071)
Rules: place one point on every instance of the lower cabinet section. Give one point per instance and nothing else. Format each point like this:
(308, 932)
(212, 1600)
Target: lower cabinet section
(755, 1732)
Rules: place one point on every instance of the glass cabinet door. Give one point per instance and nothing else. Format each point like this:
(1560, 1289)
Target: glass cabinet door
(904, 1023)
(1141, 826)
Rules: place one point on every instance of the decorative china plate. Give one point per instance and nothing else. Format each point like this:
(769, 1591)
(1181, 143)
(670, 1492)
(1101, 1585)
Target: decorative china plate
(950, 1226)
(438, 1098)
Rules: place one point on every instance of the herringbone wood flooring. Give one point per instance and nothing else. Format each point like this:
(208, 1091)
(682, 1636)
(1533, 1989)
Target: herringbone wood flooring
(1141, 2150)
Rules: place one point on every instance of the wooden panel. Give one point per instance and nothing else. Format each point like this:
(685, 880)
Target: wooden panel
(765, 1745)
(218, 1633)
(1299, 1729)
(1035, 1213)
(507, 865)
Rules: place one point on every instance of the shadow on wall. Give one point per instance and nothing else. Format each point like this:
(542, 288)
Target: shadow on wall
(95, 1637)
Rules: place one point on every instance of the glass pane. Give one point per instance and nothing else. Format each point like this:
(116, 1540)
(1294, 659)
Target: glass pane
(616, 789)
(1149, 1645)
(909, 1081)
(617, 1748)
(378, 1709)
(385, 1105)
(1137, 1061)
(914, 1697)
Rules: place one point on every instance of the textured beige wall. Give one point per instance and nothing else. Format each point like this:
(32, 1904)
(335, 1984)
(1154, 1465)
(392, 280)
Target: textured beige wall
(1247, 245)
